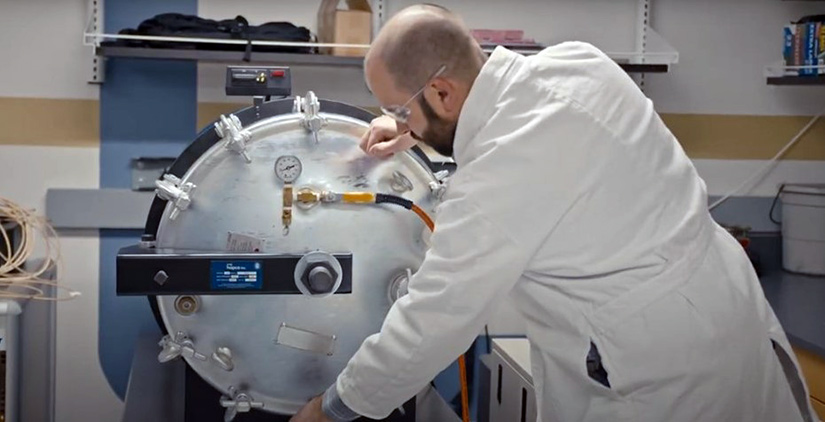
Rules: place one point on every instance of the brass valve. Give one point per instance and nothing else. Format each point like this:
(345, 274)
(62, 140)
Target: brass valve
(308, 196)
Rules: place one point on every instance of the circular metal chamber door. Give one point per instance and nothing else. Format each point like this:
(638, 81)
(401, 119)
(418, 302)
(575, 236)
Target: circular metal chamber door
(280, 350)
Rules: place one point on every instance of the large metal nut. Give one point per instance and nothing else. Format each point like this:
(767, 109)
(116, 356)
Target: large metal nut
(318, 274)
(319, 278)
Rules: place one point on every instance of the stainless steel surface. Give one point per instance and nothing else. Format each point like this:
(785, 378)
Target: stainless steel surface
(233, 196)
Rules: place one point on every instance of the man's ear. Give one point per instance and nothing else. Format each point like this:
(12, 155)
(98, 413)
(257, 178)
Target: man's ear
(444, 97)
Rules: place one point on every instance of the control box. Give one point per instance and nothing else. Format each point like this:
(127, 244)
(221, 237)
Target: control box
(258, 81)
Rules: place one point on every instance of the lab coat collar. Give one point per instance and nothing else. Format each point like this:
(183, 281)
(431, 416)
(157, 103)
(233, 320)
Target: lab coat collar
(481, 102)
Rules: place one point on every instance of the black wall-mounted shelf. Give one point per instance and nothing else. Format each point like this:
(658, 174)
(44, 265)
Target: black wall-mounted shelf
(797, 80)
(645, 68)
(286, 59)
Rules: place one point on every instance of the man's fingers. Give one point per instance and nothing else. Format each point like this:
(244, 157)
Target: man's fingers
(376, 139)
(373, 136)
(364, 143)
(381, 129)
(383, 149)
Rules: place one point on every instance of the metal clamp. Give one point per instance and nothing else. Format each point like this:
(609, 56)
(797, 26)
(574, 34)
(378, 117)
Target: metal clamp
(238, 403)
(233, 134)
(310, 107)
(179, 345)
(171, 188)
(440, 186)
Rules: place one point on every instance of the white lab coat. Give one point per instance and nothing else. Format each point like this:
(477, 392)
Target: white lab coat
(573, 197)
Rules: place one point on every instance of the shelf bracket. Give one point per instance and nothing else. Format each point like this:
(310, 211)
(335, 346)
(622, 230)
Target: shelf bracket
(642, 27)
(94, 25)
(379, 12)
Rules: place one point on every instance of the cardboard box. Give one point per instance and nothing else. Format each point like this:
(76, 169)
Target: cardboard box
(498, 36)
(345, 26)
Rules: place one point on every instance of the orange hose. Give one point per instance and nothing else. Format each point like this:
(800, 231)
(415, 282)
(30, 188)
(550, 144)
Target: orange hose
(465, 393)
(462, 363)
(421, 213)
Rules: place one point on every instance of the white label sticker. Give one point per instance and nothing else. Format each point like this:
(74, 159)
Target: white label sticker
(236, 242)
(306, 340)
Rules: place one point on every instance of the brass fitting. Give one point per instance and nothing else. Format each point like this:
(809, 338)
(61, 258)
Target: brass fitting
(307, 198)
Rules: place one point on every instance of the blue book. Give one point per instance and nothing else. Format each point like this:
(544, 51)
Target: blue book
(820, 45)
(798, 47)
(787, 51)
(810, 51)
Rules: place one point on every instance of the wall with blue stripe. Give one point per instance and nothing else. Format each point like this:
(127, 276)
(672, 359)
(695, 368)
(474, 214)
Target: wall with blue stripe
(147, 108)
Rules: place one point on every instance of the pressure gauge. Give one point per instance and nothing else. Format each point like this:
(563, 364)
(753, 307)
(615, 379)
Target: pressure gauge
(288, 168)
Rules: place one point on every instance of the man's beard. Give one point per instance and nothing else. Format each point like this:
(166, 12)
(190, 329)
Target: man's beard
(439, 134)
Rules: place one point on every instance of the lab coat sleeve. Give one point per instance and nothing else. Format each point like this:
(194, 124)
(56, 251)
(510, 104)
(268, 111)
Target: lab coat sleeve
(472, 264)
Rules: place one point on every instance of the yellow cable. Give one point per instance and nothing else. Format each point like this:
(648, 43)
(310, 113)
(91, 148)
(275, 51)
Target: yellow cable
(358, 197)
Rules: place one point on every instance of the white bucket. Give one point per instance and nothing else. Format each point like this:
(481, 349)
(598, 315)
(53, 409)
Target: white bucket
(803, 228)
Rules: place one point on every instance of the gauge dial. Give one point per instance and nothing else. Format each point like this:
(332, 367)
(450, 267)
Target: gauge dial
(288, 168)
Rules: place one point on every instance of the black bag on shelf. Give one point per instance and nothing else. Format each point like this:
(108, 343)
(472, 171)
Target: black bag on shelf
(179, 25)
(811, 18)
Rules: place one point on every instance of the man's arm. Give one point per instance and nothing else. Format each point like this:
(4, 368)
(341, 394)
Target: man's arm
(472, 263)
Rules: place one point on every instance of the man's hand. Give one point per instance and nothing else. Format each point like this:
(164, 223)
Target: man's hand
(311, 412)
(385, 137)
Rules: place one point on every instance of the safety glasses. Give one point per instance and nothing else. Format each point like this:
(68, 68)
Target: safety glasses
(402, 112)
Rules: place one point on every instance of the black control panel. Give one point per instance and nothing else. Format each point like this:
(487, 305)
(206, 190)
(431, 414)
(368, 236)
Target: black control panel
(142, 272)
(260, 81)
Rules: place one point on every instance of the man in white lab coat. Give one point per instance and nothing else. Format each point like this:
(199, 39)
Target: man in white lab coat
(572, 197)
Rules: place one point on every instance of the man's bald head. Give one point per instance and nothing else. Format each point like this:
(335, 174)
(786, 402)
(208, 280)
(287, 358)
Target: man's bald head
(420, 39)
